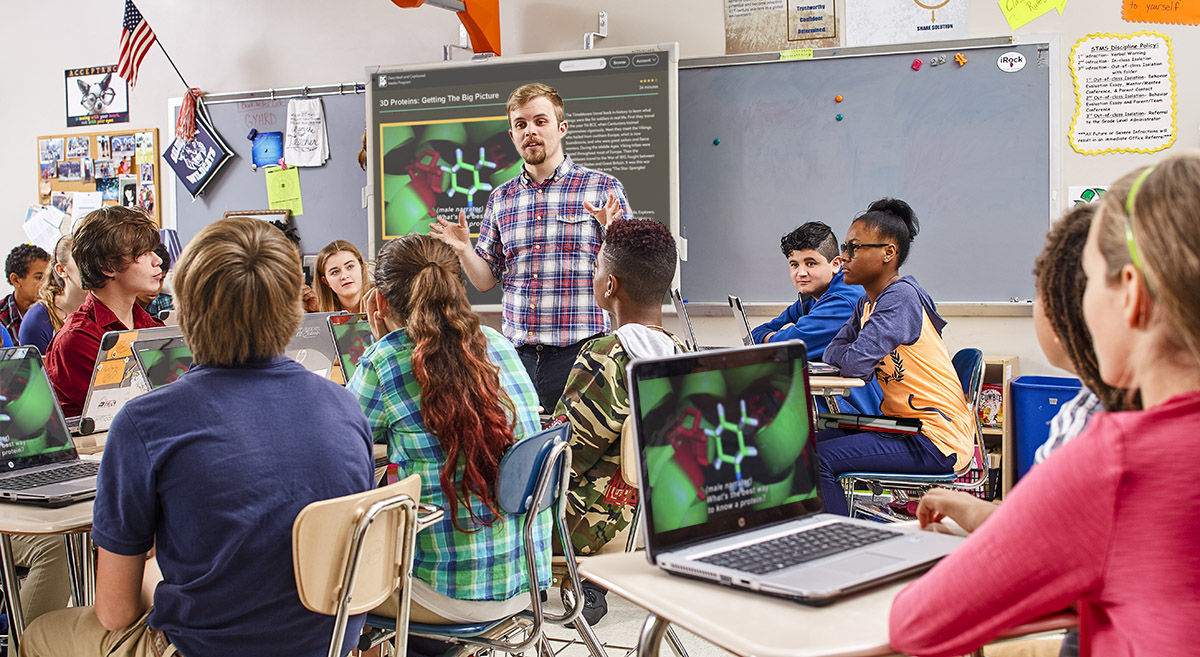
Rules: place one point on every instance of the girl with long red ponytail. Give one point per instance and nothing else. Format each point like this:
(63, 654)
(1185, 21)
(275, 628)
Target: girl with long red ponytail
(449, 396)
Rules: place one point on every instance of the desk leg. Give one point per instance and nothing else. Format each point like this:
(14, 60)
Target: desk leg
(831, 399)
(653, 631)
(12, 593)
(80, 563)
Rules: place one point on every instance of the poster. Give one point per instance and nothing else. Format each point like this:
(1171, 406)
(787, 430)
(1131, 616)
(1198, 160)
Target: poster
(872, 22)
(195, 162)
(1174, 12)
(1124, 93)
(96, 95)
(780, 25)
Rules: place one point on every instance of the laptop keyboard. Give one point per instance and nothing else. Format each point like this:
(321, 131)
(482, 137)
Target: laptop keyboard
(34, 479)
(797, 548)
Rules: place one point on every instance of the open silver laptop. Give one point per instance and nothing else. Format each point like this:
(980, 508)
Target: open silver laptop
(312, 345)
(38, 461)
(689, 335)
(352, 335)
(116, 376)
(729, 485)
(739, 318)
(162, 360)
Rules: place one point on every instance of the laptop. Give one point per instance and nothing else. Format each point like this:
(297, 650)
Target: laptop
(728, 479)
(352, 335)
(116, 377)
(815, 367)
(162, 360)
(38, 461)
(312, 345)
(689, 335)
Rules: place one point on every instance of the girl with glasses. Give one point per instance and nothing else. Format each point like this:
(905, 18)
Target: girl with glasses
(894, 336)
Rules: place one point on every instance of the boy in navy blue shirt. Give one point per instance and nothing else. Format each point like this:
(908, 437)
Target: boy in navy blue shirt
(211, 470)
(825, 303)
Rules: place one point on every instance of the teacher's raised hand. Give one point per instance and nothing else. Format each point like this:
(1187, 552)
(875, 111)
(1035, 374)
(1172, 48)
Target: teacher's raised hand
(610, 211)
(456, 236)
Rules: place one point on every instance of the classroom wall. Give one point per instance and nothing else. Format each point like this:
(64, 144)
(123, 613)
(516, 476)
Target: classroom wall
(233, 45)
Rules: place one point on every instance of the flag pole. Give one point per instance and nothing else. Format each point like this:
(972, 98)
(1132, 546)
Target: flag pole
(164, 52)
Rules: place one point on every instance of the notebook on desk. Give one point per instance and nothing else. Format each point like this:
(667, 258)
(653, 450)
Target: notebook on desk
(728, 480)
(38, 461)
(116, 377)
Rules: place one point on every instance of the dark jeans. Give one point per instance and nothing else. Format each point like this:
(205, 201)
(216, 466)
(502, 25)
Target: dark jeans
(841, 451)
(549, 366)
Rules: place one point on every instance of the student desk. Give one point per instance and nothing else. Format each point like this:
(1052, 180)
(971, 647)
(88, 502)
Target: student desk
(754, 625)
(74, 522)
(832, 387)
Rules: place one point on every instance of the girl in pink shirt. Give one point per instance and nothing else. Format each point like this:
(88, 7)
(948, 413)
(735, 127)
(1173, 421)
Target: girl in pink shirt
(1100, 525)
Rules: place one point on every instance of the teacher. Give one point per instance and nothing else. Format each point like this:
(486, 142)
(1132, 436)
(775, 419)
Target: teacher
(539, 240)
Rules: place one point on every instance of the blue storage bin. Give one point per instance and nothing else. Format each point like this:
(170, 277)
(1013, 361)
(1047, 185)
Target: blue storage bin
(1035, 401)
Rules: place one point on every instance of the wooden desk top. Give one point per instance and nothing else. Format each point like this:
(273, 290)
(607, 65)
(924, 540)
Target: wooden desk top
(755, 625)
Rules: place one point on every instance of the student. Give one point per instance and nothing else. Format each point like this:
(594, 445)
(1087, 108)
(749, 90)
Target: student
(344, 278)
(114, 250)
(895, 336)
(59, 296)
(538, 241)
(196, 471)
(633, 273)
(24, 268)
(1099, 524)
(158, 304)
(449, 396)
(826, 301)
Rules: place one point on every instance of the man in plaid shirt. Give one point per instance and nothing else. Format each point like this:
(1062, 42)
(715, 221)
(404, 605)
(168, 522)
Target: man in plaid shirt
(539, 239)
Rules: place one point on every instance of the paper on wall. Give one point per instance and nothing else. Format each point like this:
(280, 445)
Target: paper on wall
(306, 143)
(39, 228)
(1124, 93)
(85, 202)
(871, 22)
(283, 190)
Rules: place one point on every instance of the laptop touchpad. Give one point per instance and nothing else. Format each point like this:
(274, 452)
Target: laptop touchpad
(865, 562)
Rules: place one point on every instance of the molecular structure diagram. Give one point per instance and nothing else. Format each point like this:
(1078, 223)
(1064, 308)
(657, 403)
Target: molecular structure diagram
(739, 430)
(474, 170)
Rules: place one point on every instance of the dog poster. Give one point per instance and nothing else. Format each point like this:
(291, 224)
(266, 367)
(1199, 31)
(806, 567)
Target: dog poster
(96, 95)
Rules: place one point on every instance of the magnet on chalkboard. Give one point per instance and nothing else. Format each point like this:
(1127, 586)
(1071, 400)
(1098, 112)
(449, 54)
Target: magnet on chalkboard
(253, 134)
(837, 99)
(916, 65)
(838, 117)
(717, 141)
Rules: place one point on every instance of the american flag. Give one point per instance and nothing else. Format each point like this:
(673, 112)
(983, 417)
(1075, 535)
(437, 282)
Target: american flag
(136, 39)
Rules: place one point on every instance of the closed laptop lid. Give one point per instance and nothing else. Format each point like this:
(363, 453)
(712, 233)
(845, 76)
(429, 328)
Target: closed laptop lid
(352, 334)
(33, 430)
(312, 344)
(725, 442)
(163, 360)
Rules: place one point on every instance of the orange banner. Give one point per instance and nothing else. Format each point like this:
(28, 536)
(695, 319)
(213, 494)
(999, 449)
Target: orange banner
(1175, 12)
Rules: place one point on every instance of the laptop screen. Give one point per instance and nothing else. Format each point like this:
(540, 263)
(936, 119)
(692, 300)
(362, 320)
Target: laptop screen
(32, 428)
(163, 359)
(352, 333)
(726, 441)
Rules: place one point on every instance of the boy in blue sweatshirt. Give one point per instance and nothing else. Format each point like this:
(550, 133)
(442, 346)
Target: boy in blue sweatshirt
(826, 301)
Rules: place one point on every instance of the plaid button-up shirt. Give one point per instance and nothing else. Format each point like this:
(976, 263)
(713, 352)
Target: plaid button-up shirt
(488, 564)
(10, 316)
(541, 244)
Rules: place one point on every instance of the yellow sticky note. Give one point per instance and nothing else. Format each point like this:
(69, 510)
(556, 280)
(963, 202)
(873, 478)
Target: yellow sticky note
(109, 372)
(122, 348)
(797, 53)
(1020, 12)
(283, 189)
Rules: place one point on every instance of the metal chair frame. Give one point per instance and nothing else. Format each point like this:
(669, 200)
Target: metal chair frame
(966, 361)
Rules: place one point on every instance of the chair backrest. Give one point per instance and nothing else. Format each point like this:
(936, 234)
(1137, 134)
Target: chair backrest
(969, 365)
(629, 454)
(322, 536)
(521, 467)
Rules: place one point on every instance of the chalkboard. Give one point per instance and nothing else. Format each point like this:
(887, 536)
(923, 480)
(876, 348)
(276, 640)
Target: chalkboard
(762, 150)
(332, 194)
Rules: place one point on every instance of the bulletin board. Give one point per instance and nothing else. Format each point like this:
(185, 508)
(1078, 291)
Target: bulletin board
(129, 155)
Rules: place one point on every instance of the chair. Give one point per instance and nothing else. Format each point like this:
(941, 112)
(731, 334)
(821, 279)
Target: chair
(537, 468)
(968, 364)
(351, 552)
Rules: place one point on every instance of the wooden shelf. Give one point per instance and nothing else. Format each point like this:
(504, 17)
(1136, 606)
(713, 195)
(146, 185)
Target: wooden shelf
(993, 431)
(1002, 370)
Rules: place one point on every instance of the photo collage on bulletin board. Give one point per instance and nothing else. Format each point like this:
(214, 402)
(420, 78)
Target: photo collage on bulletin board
(79, 173)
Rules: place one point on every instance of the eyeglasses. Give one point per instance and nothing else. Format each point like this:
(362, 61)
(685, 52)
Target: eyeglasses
(1133, 190)
(849, 249)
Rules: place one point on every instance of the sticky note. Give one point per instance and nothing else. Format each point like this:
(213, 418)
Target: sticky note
(1020, 12)
(109, 372)
(283, 190)
(122, 348)
(1175, 12)
(797, 53)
